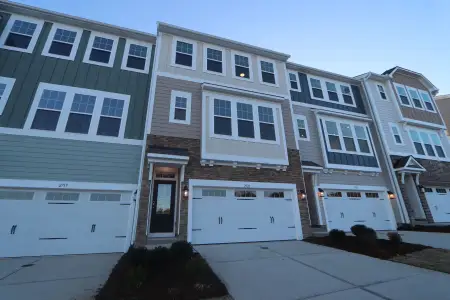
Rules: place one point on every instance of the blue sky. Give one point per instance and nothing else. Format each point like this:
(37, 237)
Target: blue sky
(349, 37)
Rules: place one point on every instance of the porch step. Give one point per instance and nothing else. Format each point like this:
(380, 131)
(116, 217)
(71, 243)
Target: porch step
(160, 242)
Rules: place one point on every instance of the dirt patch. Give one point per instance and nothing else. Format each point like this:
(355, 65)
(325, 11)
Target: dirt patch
(433, 259)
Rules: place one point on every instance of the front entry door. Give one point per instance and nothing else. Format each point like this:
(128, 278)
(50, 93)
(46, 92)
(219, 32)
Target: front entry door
(163, 207)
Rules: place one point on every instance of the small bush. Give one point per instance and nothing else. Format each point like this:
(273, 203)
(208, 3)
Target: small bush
(181, 251)
(337, 236)
(365, 234)
(395, 238)
(158, 258)
(358, 230)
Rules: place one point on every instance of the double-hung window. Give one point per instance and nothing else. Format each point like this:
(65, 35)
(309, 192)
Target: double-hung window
(180, 107)
(347, 94)
(136, 56)
(401, 91)
(316, 88)
(332, 92)
(336, 92)
(184, 54)
(242, 66)
(101, 49)
(267, 72)
(347, 137)
(69, 110)
(293, 81)
(427, 100)
(381, 92)
(427, 143)
(21, 33)
(302, 128)
(62, 42)
(417, 142)
(437, 145)
(415, 98)
(246, 127)
(222, 117)
(6, 85)
(396, 134)
(214, 60)
(266, 123)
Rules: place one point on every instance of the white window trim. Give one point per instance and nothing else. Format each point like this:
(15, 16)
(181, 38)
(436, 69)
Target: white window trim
(5, 97)
(126, 54)
(407, 95)
(34, 38)
(431, 101)
(173, 96)
(341, 136)
(259, 59)
(194, 53)
(301, 117)
(325, 90)
(65, 111)
(391, 125)
(296, 78)
(75, 44)
(428, 132)
(233, 64)
(112, 57)
(276, 109)
(408, 89)
(205, 59)
(384, 91)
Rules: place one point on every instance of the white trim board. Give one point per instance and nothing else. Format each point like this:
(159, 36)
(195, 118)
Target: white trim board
(352, 187)
(67, 185)
(9, 82)
(331, 110)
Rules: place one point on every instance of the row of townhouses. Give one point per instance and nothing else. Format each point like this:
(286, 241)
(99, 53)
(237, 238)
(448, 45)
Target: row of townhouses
(111, 137)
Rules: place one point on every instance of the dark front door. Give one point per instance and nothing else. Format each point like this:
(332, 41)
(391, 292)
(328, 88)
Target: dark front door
(163, 207)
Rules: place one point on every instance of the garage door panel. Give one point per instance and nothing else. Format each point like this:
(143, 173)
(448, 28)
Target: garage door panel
(439, 202)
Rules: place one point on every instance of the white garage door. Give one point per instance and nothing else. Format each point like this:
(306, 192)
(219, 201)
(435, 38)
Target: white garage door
(226, 215)
(347, 208)
(36, 222)
(439, 203)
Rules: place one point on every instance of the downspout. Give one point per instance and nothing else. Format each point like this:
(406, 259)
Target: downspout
(384, 148)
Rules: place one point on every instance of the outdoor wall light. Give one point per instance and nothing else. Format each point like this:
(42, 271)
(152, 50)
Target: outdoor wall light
(391, 195)
(321, 193)
(302, 194)
(185, 191)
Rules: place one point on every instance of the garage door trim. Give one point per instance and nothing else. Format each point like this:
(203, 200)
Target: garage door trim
(243, 185)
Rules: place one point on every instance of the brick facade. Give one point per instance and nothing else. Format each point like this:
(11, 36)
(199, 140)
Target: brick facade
(194, 170)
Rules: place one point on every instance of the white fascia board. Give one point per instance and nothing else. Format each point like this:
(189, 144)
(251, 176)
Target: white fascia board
(352, 187)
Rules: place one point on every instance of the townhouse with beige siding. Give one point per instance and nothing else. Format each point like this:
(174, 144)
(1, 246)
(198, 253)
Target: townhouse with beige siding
(413, 132)
(73, 103)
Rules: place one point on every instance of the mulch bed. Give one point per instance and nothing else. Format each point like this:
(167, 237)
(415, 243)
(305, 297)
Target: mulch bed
(143, 274)
(383, 249)
(433, 259)
(424, 228)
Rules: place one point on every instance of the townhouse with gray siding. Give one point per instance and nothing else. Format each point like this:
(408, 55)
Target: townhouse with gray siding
(413, 132)
(73, 104)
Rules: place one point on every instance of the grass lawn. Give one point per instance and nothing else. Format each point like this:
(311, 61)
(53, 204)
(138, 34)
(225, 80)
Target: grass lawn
(425, 228)
(161, 273)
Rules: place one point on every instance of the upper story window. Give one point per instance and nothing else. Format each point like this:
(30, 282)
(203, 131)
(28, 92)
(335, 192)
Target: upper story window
(6, 85)
(242, 66)
(427, 100)
(336, 92)
(101, 49)
(421, 99)
(302, 128)
(347, 137)
(69, 110)
(21, 33)
(267, 72)
(243, 119)
(427, 143)
(396, 134)
(184, 53)
(415, 98)
(293, 81)
(381, 92)
(214, 60)
(62, 42)
(136, 56)
(401, 91)
(180, 107)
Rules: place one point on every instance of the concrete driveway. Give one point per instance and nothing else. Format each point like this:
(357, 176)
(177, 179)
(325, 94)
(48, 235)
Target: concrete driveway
(299, 270)
(69, 277)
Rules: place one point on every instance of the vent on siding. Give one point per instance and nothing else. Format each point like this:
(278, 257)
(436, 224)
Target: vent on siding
(57, 196)
(16, 195)
(105, 197)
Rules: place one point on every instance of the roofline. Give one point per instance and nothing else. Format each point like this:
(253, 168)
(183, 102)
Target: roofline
(442, 97)
(48, 15)
(291, 65)
(433, 87)
(196, 35)
(372, 75)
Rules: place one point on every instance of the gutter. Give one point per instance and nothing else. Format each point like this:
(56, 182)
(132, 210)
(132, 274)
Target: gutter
(384, 148)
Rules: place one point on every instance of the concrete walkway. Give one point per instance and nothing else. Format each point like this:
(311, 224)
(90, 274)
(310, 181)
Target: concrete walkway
(69, 277)
(299, 270)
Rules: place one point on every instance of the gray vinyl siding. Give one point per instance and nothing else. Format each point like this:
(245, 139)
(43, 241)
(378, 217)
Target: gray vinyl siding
(161, 108)
(37, 158)
(309, 150)
(29, 69)
(305, 97)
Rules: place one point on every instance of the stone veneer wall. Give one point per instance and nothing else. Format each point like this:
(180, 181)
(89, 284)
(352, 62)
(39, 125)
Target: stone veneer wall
(194, 170)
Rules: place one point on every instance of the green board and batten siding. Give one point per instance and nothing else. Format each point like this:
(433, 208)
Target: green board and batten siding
(38, 158)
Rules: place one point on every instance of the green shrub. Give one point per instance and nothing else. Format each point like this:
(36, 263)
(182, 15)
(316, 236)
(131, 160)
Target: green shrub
(337, 236)
(158, 258)
(181, 251)
(395, 238)
(358, 230)
(365, 234)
